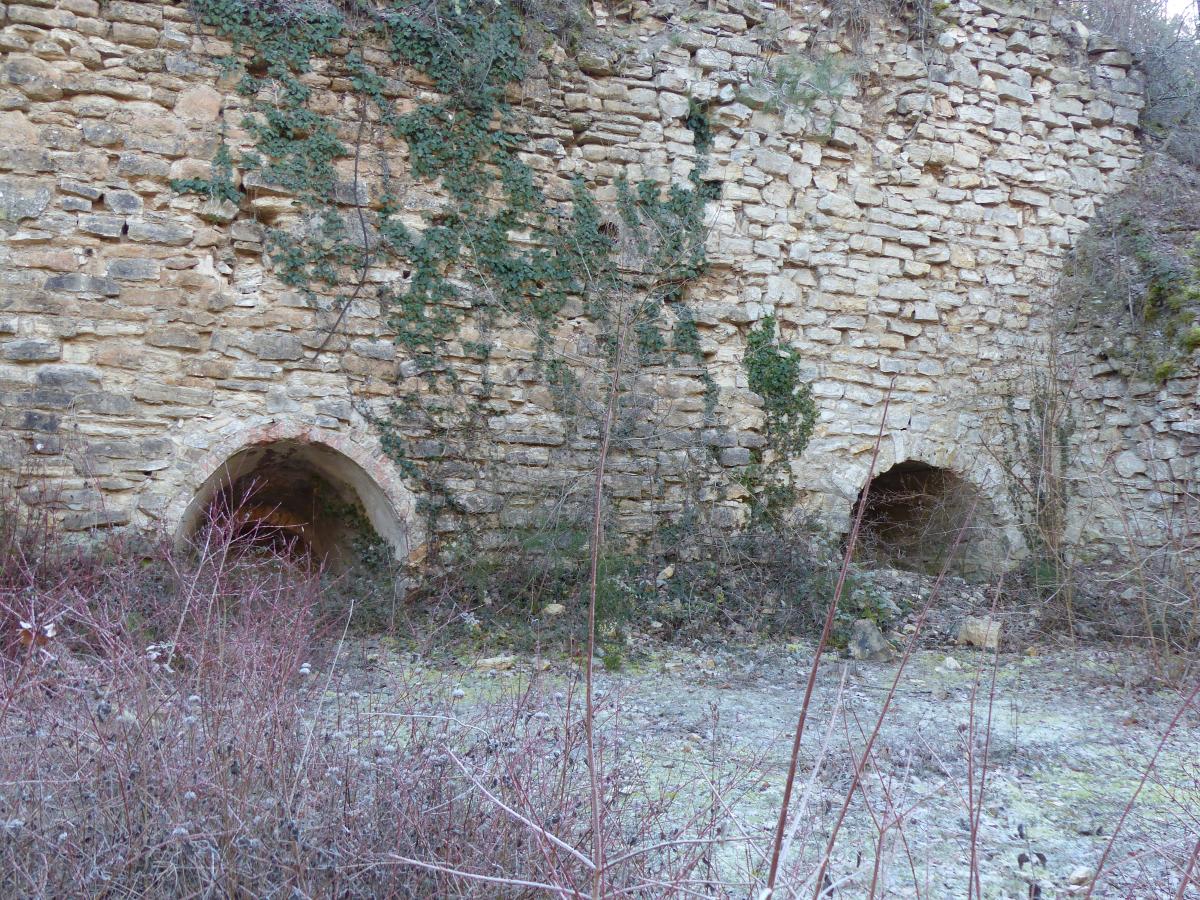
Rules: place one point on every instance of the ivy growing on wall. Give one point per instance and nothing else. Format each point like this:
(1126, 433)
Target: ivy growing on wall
(468, 140)
(773, 371)
(496, 244)
(219, 185)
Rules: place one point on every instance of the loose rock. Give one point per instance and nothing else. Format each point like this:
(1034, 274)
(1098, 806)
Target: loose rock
(496, 663)
(979, 631)
(868, 643)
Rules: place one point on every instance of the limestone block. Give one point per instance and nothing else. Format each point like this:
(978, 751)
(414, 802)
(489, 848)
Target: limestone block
(673, 106)
(35, 78)
(708, 58)
(1128, 464)
(133, 269)
(1099, 112)
(773, 162)
(44, 18)
(172, 234)
(838, 205)
(137, 35)
(30, 350)
(102, 134)
(199, 104)
(137, 13)
(83, 284)
(123, 202)
(102, 226)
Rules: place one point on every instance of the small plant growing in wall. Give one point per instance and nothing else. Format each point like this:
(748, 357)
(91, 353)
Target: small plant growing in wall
(219, 185)
(796, 81)
(773, 371)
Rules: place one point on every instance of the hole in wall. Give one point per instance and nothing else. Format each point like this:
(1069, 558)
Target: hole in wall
(300, 500)
(912, 515)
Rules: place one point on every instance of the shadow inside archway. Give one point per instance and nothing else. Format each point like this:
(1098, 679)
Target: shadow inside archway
(922, 518)
(299, 499)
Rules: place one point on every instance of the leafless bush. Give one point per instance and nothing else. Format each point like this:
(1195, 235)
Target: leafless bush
(176, 725)
(1151, 598)
(1132, 284)
(1167, 50)
(854, 18)
(187, 729)
(1036, 418)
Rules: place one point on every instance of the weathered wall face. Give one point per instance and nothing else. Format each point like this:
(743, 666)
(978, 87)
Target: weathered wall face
(906, 231)
(1135, 445)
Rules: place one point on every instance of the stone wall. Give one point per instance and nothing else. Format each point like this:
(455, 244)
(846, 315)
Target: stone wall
(1134, 482)
(906, 230)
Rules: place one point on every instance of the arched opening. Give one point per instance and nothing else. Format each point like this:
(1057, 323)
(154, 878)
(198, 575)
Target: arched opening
(302, 499)
(913, 514)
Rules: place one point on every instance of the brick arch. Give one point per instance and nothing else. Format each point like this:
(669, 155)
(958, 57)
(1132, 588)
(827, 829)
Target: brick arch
(350, 458)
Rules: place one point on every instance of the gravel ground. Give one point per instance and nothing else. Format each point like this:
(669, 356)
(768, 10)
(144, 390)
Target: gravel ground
(1068, 741)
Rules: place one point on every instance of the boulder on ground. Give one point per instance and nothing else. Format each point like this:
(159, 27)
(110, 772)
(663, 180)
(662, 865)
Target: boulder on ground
(980, 631)
(867, 642)
(496, 663)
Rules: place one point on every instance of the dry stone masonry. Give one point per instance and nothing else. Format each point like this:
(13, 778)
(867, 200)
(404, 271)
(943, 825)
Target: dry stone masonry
(905, 227)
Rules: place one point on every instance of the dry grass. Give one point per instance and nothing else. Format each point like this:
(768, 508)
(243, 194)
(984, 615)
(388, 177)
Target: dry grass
(181, 725)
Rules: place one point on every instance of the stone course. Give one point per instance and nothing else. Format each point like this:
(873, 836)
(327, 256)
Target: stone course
(906, 231)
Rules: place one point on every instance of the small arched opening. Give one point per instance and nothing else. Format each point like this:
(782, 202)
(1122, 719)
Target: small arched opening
(924, 518)
(302, 499)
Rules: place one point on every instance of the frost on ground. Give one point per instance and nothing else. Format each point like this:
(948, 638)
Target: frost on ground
(208, 743)
(1060, 745)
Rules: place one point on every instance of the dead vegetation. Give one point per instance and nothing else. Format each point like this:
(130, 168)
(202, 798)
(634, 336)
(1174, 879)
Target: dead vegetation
(1133, 281)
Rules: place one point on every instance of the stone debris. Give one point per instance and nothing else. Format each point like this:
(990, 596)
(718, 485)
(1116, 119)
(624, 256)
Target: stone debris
(868, 643)
(1081, 875)
(983, 632)
(495, 663)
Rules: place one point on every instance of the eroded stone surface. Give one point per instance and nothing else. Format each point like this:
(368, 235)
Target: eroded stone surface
(907, 234)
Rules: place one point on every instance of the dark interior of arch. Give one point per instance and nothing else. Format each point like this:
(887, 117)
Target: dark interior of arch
(293, 499)
(912, 515)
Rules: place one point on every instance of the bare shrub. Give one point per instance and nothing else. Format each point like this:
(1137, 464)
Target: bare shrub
(184, 729)
(854, 18)
(1167, 50)
(1132, 284)
(1036, 411)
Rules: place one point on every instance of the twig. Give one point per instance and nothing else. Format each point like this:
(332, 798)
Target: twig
(593, 577)
(558, 842)
(490, 879)
(1137, 792)
(831, 613)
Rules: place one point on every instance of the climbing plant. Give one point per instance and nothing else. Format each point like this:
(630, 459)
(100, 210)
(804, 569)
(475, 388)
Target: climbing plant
(494, 244)
(468, 140)
(773, 371)
(219, 185)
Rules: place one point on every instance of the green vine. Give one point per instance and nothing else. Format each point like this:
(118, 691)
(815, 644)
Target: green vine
(773, 372)
(219, 185)
(496, 244)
